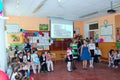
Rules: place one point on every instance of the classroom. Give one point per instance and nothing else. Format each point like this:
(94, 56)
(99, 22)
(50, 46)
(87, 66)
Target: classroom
(59, 39)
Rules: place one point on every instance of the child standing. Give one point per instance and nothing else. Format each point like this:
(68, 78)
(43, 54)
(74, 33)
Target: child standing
(92, 51)
(69, 59)
(49, 62)
(85, 54)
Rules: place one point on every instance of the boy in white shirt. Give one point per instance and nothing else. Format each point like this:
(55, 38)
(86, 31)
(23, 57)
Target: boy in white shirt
(97, 55)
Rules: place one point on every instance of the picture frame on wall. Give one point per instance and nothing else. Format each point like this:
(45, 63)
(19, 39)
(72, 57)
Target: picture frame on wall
(43, 27)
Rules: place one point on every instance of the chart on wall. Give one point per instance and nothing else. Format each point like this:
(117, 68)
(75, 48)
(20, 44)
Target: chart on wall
(106, 30)
(13, 28)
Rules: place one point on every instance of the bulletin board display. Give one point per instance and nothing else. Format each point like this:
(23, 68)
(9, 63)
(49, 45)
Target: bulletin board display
(42, 42)
(106, 30)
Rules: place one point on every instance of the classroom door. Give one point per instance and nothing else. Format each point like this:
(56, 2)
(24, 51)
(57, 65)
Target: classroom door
(91, 34)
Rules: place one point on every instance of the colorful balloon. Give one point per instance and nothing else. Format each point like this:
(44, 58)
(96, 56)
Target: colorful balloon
(0, 13)
(36, 33)
(101, 40)
(23, 31)
(3, 76)
(24, 34)
(40, 32)
(1, 6)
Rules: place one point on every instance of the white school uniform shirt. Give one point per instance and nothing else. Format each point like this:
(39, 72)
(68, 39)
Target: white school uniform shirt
(91, 46)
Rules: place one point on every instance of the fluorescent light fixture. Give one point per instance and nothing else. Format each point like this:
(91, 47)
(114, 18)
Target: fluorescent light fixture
(59, 0)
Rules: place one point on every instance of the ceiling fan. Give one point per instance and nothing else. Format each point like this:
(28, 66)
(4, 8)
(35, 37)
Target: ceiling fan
(39, 6)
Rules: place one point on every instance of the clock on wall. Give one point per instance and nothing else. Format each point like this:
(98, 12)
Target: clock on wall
(105, 22)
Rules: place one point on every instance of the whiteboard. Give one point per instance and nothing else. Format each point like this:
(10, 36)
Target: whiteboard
(106, 30)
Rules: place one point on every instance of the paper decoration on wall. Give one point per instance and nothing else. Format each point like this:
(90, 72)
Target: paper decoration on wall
(42, 41)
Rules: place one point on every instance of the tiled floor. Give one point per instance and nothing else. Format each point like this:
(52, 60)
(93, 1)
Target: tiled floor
(100, 72)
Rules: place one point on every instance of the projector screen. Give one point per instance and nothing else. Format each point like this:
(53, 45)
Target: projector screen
(61, 28)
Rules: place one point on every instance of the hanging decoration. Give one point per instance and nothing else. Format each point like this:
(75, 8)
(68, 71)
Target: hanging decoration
(24, 34)
(0, 13)
(36, 33)
(40, 32)
(1, 6)
(22, 30)
(101, 40)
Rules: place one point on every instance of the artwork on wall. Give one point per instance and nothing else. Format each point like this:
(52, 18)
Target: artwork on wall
(15, 38)
(43, 27)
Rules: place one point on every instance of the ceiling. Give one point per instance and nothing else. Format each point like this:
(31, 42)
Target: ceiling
(64, 9)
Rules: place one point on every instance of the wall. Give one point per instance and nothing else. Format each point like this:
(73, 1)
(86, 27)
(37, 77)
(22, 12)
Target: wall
(80, 25)
(117, 21)
(109, 18)
(27, 23)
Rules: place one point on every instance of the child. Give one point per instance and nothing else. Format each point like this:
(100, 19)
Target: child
(116, 58)
(69, 59)
(92, 49)
(111, 58)
(20, 56)
(43, 62)
(35, 62)
(28, 59)
(85, 54)
(97, 55)
(15, 67)
(49, 62)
